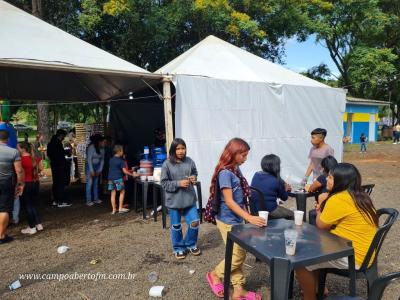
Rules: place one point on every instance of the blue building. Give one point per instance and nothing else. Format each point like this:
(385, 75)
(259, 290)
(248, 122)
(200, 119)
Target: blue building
(361, 116)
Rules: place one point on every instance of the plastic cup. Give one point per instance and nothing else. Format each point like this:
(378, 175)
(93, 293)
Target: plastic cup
(298, 217)
(156, 291)
(264, 215)
(290, 241)
(143, 178)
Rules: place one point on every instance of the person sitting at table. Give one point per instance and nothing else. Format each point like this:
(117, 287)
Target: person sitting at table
(319, 185)
(178, 175)
(270, 183)
(319, 151)
(347, 212)
(231, 188)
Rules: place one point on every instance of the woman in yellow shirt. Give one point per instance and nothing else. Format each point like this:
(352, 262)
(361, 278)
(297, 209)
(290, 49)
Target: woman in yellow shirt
(347, 212)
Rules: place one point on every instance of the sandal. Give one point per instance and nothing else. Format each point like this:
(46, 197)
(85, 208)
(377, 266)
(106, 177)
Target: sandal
(216, 288)
(250, 296)
(6, 239)
(123, 210)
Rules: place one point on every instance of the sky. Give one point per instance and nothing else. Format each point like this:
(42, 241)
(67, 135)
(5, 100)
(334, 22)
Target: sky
(305, 55)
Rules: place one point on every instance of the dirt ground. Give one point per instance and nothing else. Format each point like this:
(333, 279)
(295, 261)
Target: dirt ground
(126, 243)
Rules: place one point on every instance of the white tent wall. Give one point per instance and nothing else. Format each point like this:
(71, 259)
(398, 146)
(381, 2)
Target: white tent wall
(271, 118)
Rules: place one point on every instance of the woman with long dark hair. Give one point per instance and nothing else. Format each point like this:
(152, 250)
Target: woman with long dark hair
(178, 175)
(347, 212)
(94, 167)
(270, 183)
(231, 188)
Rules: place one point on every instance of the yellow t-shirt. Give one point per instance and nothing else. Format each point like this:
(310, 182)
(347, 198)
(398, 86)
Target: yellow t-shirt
(340, 210)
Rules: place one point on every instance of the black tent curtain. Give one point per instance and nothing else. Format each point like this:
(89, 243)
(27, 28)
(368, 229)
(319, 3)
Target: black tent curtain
(133, 122)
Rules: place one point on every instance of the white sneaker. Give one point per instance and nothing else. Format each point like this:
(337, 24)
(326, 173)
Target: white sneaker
(89, 203)
(64, 205)
(29, 230)
(39, 227)
(98, 201)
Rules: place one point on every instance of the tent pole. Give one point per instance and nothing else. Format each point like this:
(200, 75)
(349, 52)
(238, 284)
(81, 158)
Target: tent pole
(169, 131)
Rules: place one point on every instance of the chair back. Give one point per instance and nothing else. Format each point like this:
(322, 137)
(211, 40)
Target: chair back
(368, 188)
(256, 196)
(380, 236)
(379, 285)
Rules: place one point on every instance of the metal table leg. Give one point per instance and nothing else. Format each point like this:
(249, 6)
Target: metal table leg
(164, 209)
(198, 187)
(135, 190)
(144, 197)
(155, 202)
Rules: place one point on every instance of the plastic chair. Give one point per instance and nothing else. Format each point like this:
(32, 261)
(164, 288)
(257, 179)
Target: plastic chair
(377, 289)
(368, 188)
(370, 273)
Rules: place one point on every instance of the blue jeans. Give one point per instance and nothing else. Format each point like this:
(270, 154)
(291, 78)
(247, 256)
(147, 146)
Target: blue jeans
(92, 183)
(190, 241)
(17, 208)
(363, 147)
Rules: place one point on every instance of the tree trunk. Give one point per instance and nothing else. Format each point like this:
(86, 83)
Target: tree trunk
(43, 120)
(42, 108)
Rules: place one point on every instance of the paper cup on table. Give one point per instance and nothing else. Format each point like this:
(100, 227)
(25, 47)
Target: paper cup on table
(156, 291)
(143, 178)
(298, 217)
(263, 214)
(290, 241)
(150, 178)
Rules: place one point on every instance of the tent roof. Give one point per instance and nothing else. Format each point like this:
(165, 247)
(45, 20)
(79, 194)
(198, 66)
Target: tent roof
(35, 55)
(215, 58)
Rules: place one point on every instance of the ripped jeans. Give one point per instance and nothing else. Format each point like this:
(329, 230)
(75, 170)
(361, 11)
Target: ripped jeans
(192, 220)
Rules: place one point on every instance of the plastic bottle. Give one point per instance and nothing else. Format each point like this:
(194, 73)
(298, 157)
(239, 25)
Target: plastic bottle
(146, 152)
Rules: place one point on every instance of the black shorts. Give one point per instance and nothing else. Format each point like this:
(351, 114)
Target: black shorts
(7, 190)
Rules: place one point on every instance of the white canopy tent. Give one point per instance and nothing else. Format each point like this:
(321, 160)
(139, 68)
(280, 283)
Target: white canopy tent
(41, 62)
(223, 91)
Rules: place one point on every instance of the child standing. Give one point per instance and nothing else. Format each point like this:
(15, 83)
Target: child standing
(231, 192)
(270, 183)
(363, 142)
(117, 169)
(178, 175)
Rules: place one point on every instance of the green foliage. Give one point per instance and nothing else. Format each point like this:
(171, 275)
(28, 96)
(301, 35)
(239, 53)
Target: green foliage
(371, 69)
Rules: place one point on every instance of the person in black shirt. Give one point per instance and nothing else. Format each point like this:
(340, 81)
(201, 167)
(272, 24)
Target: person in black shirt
(363, 142)
(59, 168)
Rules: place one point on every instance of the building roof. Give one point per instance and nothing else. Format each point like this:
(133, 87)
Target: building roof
(361, 101)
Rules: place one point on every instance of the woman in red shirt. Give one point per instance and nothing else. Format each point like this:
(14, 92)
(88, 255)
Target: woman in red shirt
(32, 166)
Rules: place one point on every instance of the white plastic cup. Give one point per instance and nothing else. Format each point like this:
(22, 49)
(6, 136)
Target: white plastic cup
(298, 217)
(143, 178)
(15, 285)
(263, 214)
(290, 241)
(62, 249)
(156, 291)
(150, 178)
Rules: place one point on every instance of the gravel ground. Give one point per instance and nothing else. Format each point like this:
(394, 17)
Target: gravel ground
(124, 244)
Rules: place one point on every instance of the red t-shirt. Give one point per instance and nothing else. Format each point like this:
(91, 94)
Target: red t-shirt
(27, 165)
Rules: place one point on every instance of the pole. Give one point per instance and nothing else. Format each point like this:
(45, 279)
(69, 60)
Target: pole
(169, 130)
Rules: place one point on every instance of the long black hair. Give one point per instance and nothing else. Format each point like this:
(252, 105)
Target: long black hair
(271, 164)
(172, 149)
(328, 163)
(347, 177)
